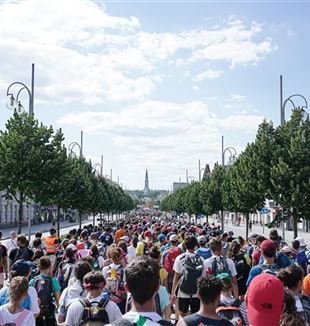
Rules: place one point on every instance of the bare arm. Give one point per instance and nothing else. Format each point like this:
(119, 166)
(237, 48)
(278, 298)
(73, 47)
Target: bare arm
(235, 287)
(175, 283)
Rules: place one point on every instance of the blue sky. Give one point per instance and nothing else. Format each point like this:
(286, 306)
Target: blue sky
(155, 84)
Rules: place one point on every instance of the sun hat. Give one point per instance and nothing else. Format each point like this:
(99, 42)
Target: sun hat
(301, 241)
(264, 300)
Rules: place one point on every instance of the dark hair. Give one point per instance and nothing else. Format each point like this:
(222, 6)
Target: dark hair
(81, 269)
(94, 278)
(215, 245)
(209, 288)
(290, 316)
(295, 244)
(69, 253)
(154, 253)
(36, 242)
(21, 238)
(190, 242)
(123, 246)
(234, 249)
(38, 235)
(135, 241)
(142, 270)
(260, 239)
(44, 263)
(291, 276)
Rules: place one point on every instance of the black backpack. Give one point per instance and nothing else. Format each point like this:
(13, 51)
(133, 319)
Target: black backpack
(190, 273)
(44, 288)
(219, 267)
(242, 267)
(231, 313)
(94, 315)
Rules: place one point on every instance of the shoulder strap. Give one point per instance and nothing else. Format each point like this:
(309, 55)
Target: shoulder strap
(103, 303)
(21, 317)
(85, 303)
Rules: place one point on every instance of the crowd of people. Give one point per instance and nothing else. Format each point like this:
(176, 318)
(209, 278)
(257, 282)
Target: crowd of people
(147, 270)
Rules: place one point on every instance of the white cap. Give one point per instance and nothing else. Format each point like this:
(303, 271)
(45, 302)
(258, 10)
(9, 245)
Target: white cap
(173, 237)
(301, 241)
(286, 249)
(202, 239)
(71, 246)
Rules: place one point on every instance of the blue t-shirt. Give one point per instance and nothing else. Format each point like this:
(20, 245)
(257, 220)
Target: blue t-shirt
(204, 253)
(258, 269)
(55, 283)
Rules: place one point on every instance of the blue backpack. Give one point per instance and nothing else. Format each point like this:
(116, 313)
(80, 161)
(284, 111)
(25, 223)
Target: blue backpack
(5, 298)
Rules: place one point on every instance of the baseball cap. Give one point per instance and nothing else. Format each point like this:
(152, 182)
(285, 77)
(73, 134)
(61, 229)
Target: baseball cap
(253, 236)
(71, 246)
(173, 237)
(202, 239)
(301, 241)
(147, 233)
(265, 300)
(21, 267)
(286, 249)
(161, 237)
(268, 246)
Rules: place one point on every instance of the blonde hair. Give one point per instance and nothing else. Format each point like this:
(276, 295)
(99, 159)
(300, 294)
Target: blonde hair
(18, 288)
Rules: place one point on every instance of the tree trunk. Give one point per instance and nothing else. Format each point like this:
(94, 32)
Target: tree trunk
(20, 214)
(94, 219)
(222, 220)
(247, 217)
(80, 220)
(58, 221)
(295, 224)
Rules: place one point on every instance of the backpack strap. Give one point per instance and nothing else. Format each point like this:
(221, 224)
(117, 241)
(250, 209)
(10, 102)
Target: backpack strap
(21, 317)
(103, 303)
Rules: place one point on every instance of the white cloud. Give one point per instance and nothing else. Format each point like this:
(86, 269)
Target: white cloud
(164, 136)
(84, 54)
(237, 97)
(208, 74)
(196, 88)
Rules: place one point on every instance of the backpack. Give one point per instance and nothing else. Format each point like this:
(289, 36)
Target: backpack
(94, 315)
(170, 257)
(44, 288)
(190, 273)
(19, 320)
(268, 269)
(96, 265)
(5, 298)
(242, 267)
(22, 253)
(231, 313)
(219, 267)
(65, 275)
(115, 284)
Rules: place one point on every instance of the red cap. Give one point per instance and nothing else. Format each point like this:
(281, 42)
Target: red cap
(147, 234)
(265, 300)
(268, 246)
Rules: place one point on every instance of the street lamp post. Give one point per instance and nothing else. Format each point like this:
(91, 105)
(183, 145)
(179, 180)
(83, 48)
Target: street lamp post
(76, 144)
(100, 165)
(282, 119)
(15, 104)
(233, 154)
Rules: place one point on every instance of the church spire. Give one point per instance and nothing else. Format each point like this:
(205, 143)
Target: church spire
(146, 183)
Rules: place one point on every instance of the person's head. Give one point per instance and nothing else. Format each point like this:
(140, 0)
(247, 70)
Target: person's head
(94, 283)
(252, 238)
(290, 316)
(273, 235)
(44, 264)
(94, 236)
(21, 268)
(226, 280)
(190, 242)
(224, 237)
(142, 270)
(71, 251)
(123, 245)
(38, 235)
(161, 238)
(115, 254)
(215, 246)
(13, 235)
(37, 243)
(94, 252)
(292, 277)
(234, 249)
(202, 240)
(84, 235)
(264, 300)
(155, 254)
(295, 244)
(173, 239)
(259, 240)
(268, 249)
(121, 225)
(18, 290)
(22, 241)
(302, 242)
(209, 290)
(81, 269)
(53, 232)
(135, 241)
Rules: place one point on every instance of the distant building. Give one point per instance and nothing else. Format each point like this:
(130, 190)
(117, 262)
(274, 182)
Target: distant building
(146, 189)
(178, 185)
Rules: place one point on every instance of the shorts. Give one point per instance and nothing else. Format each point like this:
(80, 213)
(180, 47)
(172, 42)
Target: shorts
(185, 303)
(1, 278)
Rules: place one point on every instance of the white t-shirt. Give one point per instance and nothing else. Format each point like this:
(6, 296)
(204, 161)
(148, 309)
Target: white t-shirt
(75, 311)
(151, 318)
(207, 265)
(10, 245)
(131, 255)
(34, 305)
(177, 267)
(11, 318)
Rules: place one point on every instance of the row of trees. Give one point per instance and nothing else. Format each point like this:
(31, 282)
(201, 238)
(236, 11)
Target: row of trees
(275, 166)
(35, 165)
